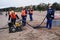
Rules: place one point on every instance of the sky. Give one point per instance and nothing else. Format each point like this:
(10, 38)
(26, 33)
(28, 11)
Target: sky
(19, 3)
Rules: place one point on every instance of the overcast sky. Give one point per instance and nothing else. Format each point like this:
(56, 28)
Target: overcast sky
(18, 3)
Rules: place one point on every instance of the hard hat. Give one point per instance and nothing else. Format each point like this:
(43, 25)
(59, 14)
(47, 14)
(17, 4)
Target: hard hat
(50, 5)
(23, 7)
(11, 11)
(30, 6)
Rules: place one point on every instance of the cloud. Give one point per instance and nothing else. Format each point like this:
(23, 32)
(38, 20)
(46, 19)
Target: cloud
(18, 3)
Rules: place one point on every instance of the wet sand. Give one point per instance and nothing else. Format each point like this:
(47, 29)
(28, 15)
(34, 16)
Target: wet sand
(28, 32)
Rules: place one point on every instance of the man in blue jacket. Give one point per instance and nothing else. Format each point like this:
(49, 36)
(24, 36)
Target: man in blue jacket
(49, 16)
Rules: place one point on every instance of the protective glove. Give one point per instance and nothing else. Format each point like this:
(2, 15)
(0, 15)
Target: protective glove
(9, 21)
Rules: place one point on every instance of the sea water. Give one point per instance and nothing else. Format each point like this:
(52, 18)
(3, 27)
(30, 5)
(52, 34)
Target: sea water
(56, 22)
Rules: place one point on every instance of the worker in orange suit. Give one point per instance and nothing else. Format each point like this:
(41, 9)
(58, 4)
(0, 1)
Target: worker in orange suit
(31, 13)
(24, 15)
(13, 16)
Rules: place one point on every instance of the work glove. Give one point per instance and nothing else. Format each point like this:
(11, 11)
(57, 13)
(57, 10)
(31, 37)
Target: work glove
(9, 21)
(52, 16)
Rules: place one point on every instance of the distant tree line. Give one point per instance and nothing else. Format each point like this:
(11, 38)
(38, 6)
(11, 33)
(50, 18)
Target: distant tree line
(39, 7)
(44, 6)
(11, 8)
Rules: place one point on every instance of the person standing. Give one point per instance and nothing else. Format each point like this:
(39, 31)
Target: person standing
(24, 15)
(50, 16)
(31, 13)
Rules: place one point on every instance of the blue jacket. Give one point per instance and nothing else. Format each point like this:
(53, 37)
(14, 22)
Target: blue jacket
(50, 13)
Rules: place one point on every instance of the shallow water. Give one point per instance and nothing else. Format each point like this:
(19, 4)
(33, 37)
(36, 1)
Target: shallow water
(56, 22)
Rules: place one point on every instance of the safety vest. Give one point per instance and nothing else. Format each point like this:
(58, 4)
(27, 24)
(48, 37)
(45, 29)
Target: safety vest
(13, 15)
(31, 11)
(23, 13)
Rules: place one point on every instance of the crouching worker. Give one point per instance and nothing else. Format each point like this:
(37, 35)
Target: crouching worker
(23, 15)
(12, 18)
(50, 16)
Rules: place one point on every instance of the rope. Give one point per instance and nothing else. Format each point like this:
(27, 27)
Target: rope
(35, 26)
